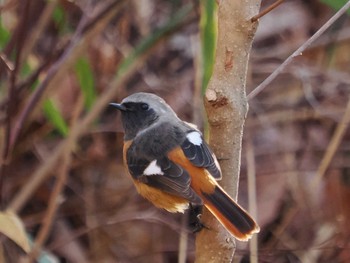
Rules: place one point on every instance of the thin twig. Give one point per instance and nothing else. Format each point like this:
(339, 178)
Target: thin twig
(68, 57)
(149, 216)
(252, 200)
(298, 52)
(52, 207)
(39, 28)
(51, 76)
(29, 81)
(267, 10)
(61, 181)
(331, 149)
(183, 240)
(6, 63)
(333, 145)
(291, 115)
(21, 36)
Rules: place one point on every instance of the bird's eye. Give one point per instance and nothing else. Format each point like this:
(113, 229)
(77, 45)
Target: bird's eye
(144, 106)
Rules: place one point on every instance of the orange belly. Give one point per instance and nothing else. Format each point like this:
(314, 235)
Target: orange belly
(162, 199)
(158, 197)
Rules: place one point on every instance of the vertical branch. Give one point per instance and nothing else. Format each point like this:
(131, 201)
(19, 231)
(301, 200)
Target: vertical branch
(20, 39)
(226, 106)
(251, 174)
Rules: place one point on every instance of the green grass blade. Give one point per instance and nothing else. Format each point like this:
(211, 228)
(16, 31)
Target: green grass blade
(208, 27)
(55, 117)
(59, 18)
(4, 35)
(336, 4)
(86, 81)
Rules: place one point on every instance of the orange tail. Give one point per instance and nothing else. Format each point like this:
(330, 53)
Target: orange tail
(234, 218)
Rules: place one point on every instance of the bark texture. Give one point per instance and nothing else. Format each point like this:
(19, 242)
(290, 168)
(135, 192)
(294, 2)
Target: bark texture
(226, 106)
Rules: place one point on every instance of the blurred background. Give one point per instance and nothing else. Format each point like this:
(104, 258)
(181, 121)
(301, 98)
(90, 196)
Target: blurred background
(59, 59)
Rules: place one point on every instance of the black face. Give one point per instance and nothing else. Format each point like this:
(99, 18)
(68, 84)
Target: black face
(136, 116)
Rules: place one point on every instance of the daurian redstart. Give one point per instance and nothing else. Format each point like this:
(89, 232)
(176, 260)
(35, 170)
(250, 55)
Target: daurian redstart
(172, 166)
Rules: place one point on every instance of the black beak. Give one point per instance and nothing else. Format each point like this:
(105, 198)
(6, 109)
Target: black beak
(118, 106)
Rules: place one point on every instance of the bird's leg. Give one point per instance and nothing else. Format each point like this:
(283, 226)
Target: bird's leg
(194, 218)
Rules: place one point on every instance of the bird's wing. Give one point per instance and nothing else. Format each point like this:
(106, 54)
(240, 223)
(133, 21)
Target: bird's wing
(199, 153)
(162, 174)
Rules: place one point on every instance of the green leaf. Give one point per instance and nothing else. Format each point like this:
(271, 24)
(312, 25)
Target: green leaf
(26, 70)
(86, 81)
(55, 117)
(58, 14)
(208, 28)
(336, 4)
(4, 35)
(60, 20)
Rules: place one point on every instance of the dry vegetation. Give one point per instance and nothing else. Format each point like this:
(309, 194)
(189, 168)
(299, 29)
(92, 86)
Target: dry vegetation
(63, 61)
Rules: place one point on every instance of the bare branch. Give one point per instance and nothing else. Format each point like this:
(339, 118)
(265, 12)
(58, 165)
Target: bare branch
(62, 64)
(333, 145)
(267, 10)
(298, 52)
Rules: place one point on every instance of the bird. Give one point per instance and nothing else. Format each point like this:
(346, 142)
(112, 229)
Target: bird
(172, 166)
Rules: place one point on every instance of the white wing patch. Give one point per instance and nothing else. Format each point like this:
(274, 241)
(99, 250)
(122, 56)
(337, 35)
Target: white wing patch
(217, 166)
(194, 138)
(153, 169)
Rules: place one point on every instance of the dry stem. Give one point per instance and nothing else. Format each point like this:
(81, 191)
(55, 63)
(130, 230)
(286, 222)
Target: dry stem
(298, 52)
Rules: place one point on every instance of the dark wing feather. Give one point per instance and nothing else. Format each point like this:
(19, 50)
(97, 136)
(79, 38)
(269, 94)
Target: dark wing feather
(136, 166)
(173, 180)
(201, 156)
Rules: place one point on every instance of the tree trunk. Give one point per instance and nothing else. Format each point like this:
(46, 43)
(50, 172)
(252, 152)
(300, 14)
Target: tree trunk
(226, 106)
